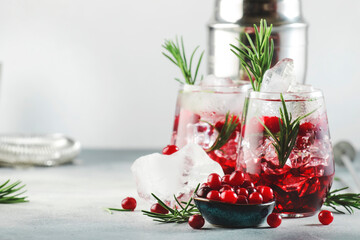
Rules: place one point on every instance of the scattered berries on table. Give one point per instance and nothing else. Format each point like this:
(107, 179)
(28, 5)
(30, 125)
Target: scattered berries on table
(274, 220)
(196, 221)
(325, 217)
(170, 149)
(157, 208)
(128, 203)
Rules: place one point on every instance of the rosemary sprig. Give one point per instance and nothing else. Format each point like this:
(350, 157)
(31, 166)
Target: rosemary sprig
(177, 52)
(346, 200)
(230, 124)
(257, 58)
(9, 193)
(286, 139)
(174, 215)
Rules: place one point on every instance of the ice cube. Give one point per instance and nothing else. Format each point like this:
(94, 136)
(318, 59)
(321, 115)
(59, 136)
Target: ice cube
(280, 77)
(179, 173)
(212, 80)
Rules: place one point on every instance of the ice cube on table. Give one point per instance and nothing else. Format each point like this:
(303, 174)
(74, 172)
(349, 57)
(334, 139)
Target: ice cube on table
(212, 80)
(280, 77)
(179, 173)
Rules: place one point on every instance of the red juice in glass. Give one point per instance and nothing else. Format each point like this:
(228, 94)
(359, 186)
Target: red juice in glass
(199, 110)
(301, 184)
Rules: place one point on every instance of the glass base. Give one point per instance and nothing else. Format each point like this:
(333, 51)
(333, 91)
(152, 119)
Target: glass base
(296, 215)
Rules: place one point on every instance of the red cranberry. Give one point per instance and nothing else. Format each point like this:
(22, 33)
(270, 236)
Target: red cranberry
(157, 208)
(272, 123)
(214, 181)
(225, 187)
(196, 221)
(242, 191)
(242, 200)
(128, 203)
(236, 178)
(255, 198)
(226, 179)
(267, 193)
(170, 149)
(213, 195)
(247, 184)
(274, 220)
(326, 217)
(228, 197)
(306, 127)
(202, 192)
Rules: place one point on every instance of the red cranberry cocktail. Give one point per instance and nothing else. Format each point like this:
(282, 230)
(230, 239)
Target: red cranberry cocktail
(200, 114)
(295, 160)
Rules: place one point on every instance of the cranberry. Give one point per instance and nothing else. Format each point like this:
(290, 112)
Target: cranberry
(242, 191)
(214, 181)
(157, 208)
(272, 123)
(196, 221)
(226, 179)
(247, 184)
(326, 217)
(274, 220)
(305, 128)
(204, 185)
(267, 193)
(170, 149)
(202, 192)
(242, 199)
(128, 203)
(255, 198)
(228, 197)
(225, 187)
(213, 195)
(236, 178)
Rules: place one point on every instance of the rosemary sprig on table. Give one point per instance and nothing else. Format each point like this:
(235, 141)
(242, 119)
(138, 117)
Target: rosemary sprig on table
(177, 52)
(174, 215)
(286, 139)
(9, 193)
(346, 200)
(257, 58)
(230, 124)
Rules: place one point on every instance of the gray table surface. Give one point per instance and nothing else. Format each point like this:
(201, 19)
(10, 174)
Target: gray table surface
(67, 202)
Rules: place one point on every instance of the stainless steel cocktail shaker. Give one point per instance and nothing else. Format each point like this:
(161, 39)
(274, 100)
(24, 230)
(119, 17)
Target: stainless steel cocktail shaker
(232, 18)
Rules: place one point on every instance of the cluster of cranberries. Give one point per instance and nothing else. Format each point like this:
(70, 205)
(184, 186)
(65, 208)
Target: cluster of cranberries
(234, 189)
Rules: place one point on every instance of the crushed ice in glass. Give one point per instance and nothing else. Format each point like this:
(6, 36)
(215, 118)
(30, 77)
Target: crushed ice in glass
(179, 173)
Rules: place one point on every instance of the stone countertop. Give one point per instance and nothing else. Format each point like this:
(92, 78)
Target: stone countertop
(67, 202)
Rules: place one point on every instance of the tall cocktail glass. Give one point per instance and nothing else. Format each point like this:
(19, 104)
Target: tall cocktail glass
(301, 184)
(200, 110)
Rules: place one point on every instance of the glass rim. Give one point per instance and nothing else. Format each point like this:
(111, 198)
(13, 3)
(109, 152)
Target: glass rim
(239, 86)
(315, 93)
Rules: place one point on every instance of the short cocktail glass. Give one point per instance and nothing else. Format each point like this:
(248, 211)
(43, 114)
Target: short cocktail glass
(301, 185)
(200, 109)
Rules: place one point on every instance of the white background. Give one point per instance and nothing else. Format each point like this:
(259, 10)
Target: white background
(93, 69)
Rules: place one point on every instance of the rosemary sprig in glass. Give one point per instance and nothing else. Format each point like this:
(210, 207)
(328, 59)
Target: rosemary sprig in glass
(186, 210)
(230, 124)
(9, 193)
(257, 58)
(286, 139)
(177, 52)
(346, 200)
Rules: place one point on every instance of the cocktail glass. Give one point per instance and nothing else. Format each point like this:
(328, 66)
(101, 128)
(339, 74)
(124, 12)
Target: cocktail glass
(199, 112)
(301, 184)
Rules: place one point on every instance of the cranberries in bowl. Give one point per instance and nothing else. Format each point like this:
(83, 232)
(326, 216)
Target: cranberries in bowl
(232, 201)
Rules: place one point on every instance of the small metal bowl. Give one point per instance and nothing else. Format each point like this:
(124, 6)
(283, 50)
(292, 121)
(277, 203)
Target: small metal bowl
(234, 215)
